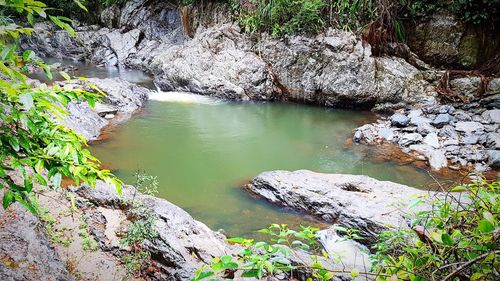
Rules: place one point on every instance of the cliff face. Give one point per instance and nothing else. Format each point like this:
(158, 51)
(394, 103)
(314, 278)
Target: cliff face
(201, 50)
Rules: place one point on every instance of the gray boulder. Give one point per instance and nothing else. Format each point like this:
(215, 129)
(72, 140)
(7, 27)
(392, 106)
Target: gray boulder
(493, 158)
(25, 248)
(352, 201)
(399, 120)
(411, 138)
(432, 140)
(469, 127)
(441, 120)
(121, 99)
(183, 244)
(493, 141)
(492, 115)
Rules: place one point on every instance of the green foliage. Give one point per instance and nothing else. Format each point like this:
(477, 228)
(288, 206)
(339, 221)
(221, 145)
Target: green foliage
(460, 239)
(472, 11)
(456, 239)
(262, 259)
(143, 224)
(282, 17)
(34, 147)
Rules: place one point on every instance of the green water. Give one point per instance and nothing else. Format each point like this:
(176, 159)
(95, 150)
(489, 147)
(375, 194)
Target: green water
(204, 152)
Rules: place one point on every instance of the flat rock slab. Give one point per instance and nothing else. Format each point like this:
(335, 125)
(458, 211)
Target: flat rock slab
(352, 201)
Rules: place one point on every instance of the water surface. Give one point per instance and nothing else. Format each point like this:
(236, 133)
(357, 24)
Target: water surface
(204, 150)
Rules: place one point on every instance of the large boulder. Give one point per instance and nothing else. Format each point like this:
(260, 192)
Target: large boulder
(443, 39)
(25, 250)
(183, 244)
(121, 99)
(359, 202)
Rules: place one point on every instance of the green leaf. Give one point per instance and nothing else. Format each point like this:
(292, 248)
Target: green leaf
(8, 199)
(489, 217)
(14, 143)
(226, 259)
(28, 55)
(56, 181)
(40, 179)
(39, 166)
(446, 238)
(81, 6)
(2, 173)
(485, 226)
(250, 273)
(65, 75)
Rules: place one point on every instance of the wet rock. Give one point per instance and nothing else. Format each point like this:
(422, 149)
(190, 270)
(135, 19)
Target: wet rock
(461, 115)
(493, 141)
(399, 120)
(364, 133)
(493, 158)
(446, 109)
(182, 245)
(419, 120)
(410, 138)
(352, 254)
(386, 133)
(352, 201)
(25, 249)
(122, 99)
(467, 86)
(470, 139)
(432, 140)
(448, 132)
(468, 127)
(441, 120)
(492, 116)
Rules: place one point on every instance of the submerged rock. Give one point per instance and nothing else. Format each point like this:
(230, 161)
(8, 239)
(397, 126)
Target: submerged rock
(352, 201)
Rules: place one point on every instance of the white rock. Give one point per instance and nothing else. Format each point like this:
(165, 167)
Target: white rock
(469, 127)
(432, 140)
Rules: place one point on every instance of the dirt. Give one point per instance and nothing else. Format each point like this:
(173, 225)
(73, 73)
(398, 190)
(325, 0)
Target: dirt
(68, 235)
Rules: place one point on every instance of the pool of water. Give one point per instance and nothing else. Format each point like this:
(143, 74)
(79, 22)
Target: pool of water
(203, 150)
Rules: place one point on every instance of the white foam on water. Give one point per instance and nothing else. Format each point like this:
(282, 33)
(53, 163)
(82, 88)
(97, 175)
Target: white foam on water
(183, 97)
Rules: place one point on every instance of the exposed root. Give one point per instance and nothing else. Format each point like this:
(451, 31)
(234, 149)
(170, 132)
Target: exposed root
(448, 94)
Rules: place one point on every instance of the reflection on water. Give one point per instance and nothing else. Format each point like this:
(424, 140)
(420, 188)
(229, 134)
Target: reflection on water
(77, 69)
(203, 150)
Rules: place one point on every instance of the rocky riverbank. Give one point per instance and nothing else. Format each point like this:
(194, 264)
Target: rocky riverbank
(27, 252)
(335, 68)
(455, 136)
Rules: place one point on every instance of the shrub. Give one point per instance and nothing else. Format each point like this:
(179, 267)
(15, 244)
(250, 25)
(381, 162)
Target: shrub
(33, 144)
(456, 239)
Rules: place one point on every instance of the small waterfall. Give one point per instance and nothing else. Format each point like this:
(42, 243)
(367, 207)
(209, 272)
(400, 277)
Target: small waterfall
(183, 97)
